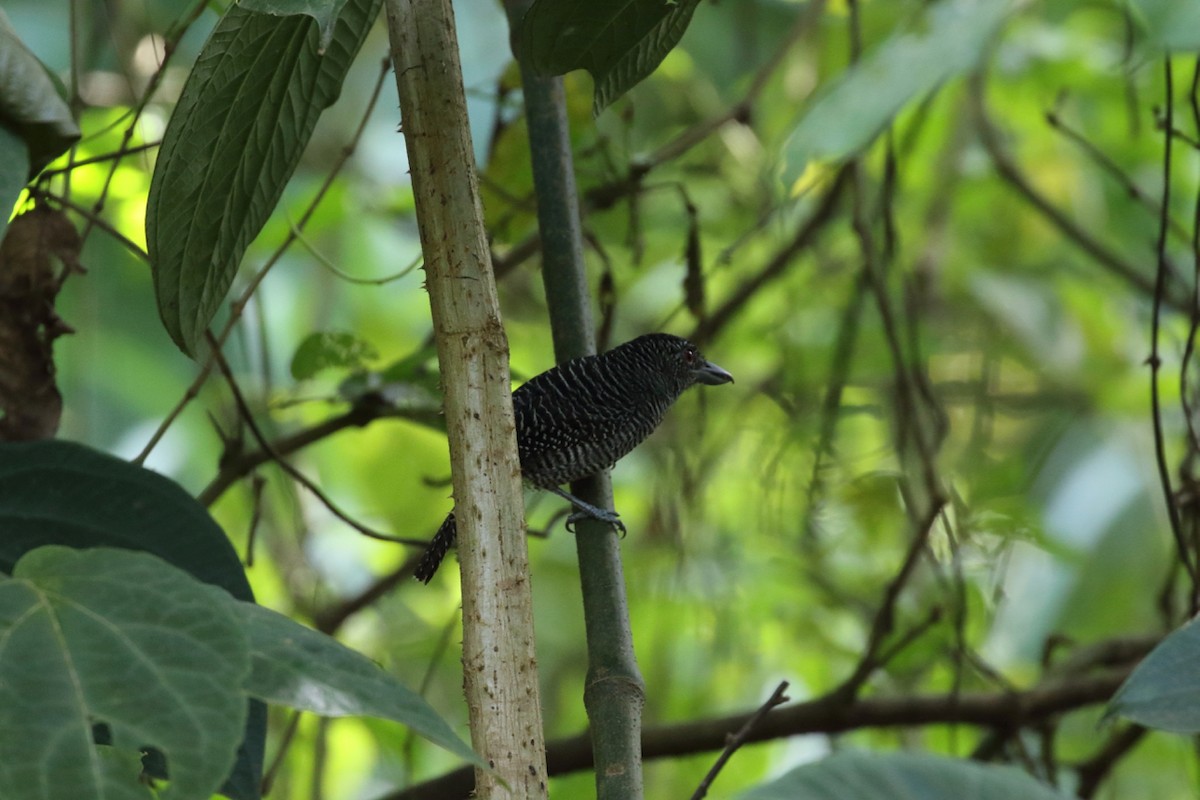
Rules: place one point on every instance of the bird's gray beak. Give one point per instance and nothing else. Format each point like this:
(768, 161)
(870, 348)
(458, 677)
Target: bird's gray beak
(711, 374)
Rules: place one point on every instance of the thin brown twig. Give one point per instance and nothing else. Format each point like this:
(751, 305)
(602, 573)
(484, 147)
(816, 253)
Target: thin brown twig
(295, 474)
(839, 372)
(932, 617)
(1194, 317)
(285, 743)
(1189, 346)
(1008, 170)
(1110, 167)
(1185, 499)
(776, 266)
(94, 218)
(825, 715)
(189, 394)
(170, 47)
(1094, 770)
(332, 618)
(1160, 123)
(908, 389)
(884, 622)
(364, 411)
(256, 504)
(443, 645)
(1155, 362)
(606, 195)
(341, 274)
(738, 739)
(100, 159)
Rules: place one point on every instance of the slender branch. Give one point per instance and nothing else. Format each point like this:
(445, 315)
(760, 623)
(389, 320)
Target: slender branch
(256, 503)
(909, 422)
(831, 404)
(1007, 169)
(331, 619)
(1155, 362)
(328, 264)
(173, 37)
(1093, 771)
(366, 409)
(189, 394)
(1114, 171)
(1193, 328)
(912, 397)
(608, 194)
(1189, 347)
(295, 474)
(777, 698)
(95, 219)
(884, 620)
(778, 264)
(98, 159)
(285, 742)
(825, 716)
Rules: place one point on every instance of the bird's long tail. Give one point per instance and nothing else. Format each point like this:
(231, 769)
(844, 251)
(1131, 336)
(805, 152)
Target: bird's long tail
(441, 543)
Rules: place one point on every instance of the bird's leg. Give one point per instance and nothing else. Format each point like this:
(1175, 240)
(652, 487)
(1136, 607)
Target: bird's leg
(587, 510)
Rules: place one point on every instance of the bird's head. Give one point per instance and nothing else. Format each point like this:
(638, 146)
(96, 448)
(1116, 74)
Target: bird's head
(680, 362)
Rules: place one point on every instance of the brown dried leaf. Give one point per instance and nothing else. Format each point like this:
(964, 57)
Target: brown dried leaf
(29, 285)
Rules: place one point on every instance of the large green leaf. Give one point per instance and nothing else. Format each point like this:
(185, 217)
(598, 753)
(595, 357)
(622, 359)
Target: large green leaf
(36, 125)
(618, 41)
(56, 492)
(123, 640)
(901, 776)
(246, 113)
(298, 667)
(31, 104)
(860, 103)
(1168, 25)
(1164, 691)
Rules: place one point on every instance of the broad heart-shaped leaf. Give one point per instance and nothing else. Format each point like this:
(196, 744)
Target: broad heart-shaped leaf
(1164, 691)
(861, 102)
(246, 113)
(618, 41)
(901, 776)
(301, 668)
(56, 492)
(123, 640)
(31, 106)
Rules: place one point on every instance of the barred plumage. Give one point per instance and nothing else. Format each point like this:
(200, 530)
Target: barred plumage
(581, 417)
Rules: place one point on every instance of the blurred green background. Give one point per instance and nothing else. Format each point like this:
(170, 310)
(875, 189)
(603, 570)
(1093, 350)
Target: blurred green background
(749, 559)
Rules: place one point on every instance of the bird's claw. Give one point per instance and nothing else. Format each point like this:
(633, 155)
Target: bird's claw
(611, 517)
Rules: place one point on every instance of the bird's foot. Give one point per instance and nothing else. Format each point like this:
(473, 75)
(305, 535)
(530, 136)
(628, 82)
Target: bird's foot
(586, 510)
(600, 514)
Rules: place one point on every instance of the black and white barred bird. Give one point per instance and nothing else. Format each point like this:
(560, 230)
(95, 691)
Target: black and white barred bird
(580, 417)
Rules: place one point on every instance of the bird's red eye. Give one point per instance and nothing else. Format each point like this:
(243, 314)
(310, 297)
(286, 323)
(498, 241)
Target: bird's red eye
(689, 355)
